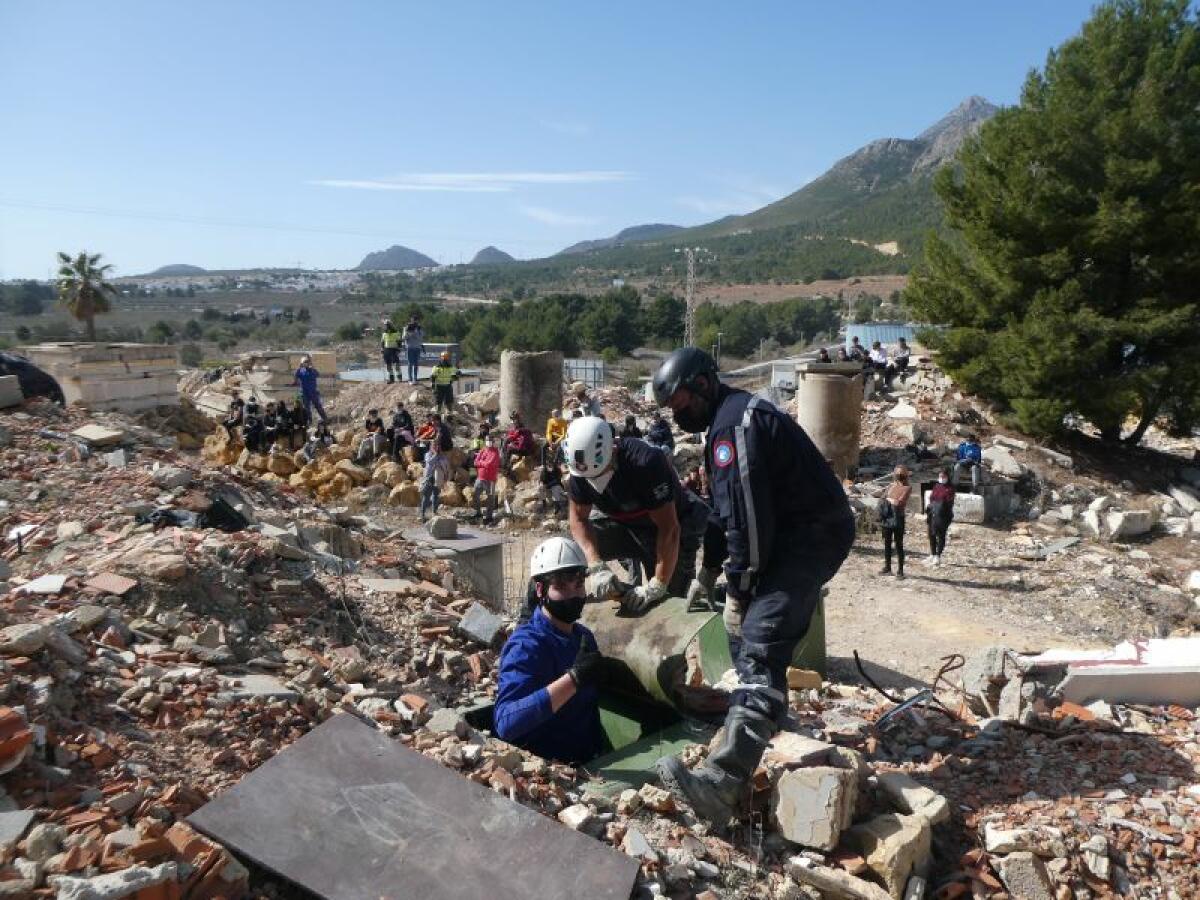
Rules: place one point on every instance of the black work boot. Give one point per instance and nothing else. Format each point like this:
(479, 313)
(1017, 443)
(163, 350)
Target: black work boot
(718, 789)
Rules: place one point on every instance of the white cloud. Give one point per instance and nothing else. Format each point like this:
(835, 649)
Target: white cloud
(474, 182)
(553, 217)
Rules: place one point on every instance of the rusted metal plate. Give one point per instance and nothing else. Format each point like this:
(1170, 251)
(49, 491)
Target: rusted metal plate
(351, 814)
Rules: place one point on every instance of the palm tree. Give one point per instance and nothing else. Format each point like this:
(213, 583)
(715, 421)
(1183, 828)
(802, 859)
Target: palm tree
(82, 288)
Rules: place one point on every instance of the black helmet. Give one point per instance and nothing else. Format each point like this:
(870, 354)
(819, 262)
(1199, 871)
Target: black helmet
(681, 369)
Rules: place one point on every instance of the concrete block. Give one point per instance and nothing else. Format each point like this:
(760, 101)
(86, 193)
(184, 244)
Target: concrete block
(895, 848)
(1149, 684)
(125, 883)
(812, 807)
(1128, 523)
(99, 435)
(482, 625)
(13, 825)
(970, 509)
(910, 796)
(1025, 876)
(1184, 496)
(443, 528)
(834, 883)
(10, 391)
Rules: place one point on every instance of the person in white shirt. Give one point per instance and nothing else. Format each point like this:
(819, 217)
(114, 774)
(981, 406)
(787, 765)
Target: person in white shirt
(879, 362)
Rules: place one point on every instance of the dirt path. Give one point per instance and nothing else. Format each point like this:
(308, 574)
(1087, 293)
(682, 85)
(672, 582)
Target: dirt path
(904, 628)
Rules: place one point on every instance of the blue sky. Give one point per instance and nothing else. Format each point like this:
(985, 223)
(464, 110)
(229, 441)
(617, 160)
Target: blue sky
(234, 134)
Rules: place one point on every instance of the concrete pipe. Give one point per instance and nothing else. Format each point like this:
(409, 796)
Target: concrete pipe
(829, 409)
(530, 384)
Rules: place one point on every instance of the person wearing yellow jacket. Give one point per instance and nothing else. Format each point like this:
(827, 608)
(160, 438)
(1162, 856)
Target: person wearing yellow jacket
(556, 430)
(445, 373)
(389, 344)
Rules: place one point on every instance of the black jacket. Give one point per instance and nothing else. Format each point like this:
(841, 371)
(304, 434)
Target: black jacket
(772, 491)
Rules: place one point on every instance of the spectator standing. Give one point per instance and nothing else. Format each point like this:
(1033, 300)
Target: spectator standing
(389, 344)
(445, 373)
(895, 502)
(487, 473)
(310, 394)
(437, 470)
(585, 405)
(414, 346)
(939, 513)
(857, 351)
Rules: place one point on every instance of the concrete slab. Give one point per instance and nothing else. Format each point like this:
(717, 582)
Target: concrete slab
(13, 825)
(388, 585)
(246, 687)
(1134, 684)
(350, 814)
(10, 391)
(45, 584)
(99, 435)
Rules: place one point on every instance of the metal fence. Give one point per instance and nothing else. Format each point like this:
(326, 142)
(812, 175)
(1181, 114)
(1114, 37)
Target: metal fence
(589, 371)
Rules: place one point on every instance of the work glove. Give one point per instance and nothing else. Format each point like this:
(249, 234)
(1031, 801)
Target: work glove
(644, 596)
(586, 668)
(602, 582)
(701, 588)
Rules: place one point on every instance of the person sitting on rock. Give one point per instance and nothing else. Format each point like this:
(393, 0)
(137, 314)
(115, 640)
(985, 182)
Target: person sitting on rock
(518, 442)
(237, 413)
(319, 441)
(823, 356)
(546, 697)
(630, 429)
(551, 493)
(427, 434)
(900, 358)
(842, 355)
(660, 434)
(856, 351)
(400, 432)
(271, 426)
(969, 456)
(300, 421)
(252, 427)
(556, 430)
(375, 443)
(880, 365)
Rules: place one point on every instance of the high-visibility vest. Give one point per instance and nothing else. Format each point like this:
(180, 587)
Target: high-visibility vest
(444, 374)
(391, 339)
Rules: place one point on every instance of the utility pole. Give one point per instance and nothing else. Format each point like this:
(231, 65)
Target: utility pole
(689, 314)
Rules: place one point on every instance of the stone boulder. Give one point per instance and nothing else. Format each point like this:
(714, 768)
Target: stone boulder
(357, 474)
(405, 494)
(281, 464)
(1001, 461)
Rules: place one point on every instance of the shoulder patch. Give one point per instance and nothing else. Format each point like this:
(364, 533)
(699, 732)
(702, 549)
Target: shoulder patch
(723, 453)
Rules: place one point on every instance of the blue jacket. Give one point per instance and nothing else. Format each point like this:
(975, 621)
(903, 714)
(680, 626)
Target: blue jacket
(535, 655)
(306, 377)
(968, 452)
(773, 493)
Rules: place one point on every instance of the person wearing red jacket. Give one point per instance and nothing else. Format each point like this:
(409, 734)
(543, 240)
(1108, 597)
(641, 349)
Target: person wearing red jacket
(518, 441)
(487, 473)
(939, 513)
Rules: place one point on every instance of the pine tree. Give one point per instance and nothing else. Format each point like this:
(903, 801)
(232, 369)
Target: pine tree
(1070, 285)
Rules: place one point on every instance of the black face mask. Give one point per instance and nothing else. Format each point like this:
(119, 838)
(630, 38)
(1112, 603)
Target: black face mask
(567, 611)
(694, 422)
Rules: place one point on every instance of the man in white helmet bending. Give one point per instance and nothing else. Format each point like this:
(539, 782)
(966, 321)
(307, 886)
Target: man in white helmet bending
(546, 698)
(626, 502)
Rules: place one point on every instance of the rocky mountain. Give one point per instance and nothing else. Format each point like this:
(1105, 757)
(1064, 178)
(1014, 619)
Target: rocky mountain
(179, 269)
(873, 192)
(491, 256)
(625, 236)
(394, 258)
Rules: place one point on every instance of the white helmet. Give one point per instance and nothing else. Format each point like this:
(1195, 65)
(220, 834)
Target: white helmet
(589, 450)
(556, 555)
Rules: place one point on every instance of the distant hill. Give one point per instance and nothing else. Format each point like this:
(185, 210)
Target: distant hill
(491, 256)
(395, 257)
(179, 269)
(626, 236)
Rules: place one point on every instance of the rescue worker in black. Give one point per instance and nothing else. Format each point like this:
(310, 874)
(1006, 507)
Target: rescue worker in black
(788, 527)
(626, 503)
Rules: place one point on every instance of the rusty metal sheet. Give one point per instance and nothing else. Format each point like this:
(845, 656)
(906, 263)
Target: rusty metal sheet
(351, 814)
